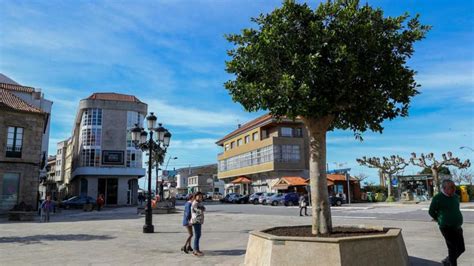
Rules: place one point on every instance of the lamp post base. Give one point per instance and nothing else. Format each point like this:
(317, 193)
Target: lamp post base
(148, 228)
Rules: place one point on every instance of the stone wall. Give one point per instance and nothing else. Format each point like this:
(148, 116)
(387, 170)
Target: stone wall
(29, 164)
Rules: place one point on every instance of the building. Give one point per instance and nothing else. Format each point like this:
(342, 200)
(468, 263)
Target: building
(48, 184)
(22, 128)
(183, 174)
(201, 182)
(34, 97)
(100, 156)
(259, 153)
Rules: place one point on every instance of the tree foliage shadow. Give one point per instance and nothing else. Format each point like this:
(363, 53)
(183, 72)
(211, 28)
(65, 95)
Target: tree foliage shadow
(414, 261)
(228, 252)
(38, 239)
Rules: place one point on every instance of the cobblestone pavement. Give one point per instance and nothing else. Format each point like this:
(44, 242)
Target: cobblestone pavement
(114, 237)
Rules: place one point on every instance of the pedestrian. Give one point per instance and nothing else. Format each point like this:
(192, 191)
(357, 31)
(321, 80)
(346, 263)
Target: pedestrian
(445, 210)
(46, 207)
(100, 201)
(304, 201)
(141, 198)
(197, 220)
(187, 223)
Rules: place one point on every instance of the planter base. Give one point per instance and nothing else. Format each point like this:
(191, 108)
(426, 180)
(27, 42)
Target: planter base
(385, 249)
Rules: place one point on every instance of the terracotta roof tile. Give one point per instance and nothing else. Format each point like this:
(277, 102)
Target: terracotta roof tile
(246, 127)
(110, 96)
(295, 180)
(10, 101)
(241, 179)
(14, 87)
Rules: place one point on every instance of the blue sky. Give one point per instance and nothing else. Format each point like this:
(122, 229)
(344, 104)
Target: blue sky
(171, 54)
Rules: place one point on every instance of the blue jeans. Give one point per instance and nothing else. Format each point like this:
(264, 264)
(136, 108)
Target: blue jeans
(197, 236)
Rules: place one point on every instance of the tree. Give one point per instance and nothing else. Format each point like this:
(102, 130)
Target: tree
(443, 170)
(429, 161)
(462, 175)
(361, 177)
(389, 166)
(340, 66)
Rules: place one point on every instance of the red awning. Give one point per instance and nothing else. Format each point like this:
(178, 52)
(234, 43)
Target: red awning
(241, 180)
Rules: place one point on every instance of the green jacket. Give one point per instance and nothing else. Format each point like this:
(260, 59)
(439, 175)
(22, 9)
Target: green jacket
(446, 210)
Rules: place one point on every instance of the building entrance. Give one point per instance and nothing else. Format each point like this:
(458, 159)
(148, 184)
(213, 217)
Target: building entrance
(108, 187)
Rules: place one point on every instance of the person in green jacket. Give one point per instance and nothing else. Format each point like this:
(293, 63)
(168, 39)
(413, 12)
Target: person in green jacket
(445, 210)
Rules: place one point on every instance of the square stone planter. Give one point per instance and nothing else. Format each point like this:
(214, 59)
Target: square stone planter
(22, 215)
(387, 249)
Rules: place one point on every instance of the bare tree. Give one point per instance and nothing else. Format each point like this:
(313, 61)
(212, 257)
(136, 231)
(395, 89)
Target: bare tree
(361, 177)
(429, 161)
(457, 177)
(389, 166)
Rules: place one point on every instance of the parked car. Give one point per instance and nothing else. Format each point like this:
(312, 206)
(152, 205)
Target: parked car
(254, 197)
(275, 199)
(78, 202)
(240, 199)
(213, 195)
(180, 196)
(290, 199)
(336, 201)
(263, 199)
(227, 198)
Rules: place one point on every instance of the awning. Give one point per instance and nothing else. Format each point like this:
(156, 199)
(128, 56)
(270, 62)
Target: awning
(241, 180)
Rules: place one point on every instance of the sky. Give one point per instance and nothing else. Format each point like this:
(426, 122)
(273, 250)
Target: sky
(171, 54)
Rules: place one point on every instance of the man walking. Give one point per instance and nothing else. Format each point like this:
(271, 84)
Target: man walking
(444, 208)
(304, 201)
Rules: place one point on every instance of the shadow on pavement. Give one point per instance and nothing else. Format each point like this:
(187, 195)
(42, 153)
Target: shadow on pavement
(414, 261)
(229, 252)
(38, 239)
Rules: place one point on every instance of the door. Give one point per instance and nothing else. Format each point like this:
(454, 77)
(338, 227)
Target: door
(10, 191)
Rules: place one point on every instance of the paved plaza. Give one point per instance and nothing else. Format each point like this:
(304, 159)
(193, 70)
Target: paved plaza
(114, 236)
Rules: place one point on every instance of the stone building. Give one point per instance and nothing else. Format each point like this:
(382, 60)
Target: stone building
(100, 157)
(183, 174)
(22, 128)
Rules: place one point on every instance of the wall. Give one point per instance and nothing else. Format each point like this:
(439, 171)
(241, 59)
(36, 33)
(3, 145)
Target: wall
(28, 165)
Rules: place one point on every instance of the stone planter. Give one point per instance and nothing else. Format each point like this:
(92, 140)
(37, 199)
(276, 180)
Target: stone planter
(385, 249)
(22, 215)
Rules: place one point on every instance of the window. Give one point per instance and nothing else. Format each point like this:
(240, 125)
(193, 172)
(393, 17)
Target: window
(247, 139)
(286, 132)
(259, 156)
(239, 142)
(92, 117)
(91, 136)
(14, 142)
(232, 144)
(298, 132)
(287, 153)
(134, 158)
(226, 147)
(255, 136)
(10, 189)
(90, 157)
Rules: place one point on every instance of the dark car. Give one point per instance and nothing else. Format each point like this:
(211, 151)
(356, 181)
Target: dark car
(336, 201)
(254, 197)
(78, 202)
(240, 199)
(290, 199)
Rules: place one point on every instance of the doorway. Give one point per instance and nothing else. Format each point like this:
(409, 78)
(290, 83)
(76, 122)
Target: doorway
(108, 187)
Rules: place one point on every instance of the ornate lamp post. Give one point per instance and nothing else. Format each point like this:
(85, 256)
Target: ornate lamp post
(155, 148)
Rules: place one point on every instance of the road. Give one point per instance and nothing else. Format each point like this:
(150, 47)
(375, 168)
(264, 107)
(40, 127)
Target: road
(401, 212)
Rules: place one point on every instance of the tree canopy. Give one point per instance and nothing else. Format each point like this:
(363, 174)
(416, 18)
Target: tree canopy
(342, 60)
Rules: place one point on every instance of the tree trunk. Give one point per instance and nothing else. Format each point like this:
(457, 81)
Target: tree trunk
(390, 186)
(321, 219)
(435, 181)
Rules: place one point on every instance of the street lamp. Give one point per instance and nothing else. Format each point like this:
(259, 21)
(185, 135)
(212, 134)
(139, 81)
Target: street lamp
(466, 147)
(157, 149)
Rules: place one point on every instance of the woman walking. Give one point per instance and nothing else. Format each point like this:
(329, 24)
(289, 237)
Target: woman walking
(187, 223)
(197, 220)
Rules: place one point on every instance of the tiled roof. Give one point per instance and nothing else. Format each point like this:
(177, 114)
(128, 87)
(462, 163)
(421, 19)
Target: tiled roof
(246, 127)
(9, 101)
(338, 177)
(110, 96)
(295, 180)
(14, 87)
(241, 179)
